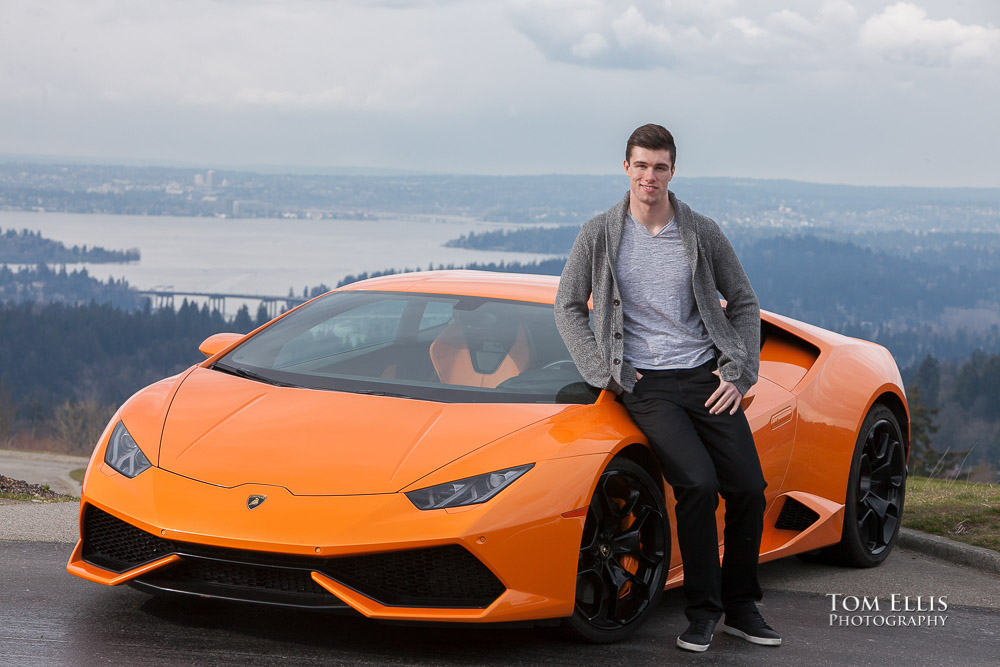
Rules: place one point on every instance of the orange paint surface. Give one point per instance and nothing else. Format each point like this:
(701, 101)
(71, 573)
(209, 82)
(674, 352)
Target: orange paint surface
(335, 466)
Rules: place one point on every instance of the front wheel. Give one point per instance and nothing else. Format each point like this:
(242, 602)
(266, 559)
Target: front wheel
(876, 488)
(623, 558)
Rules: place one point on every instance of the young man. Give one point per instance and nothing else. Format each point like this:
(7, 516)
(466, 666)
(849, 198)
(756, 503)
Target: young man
(682, 365)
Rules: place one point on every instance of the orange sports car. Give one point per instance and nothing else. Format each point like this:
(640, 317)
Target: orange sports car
(421, 447)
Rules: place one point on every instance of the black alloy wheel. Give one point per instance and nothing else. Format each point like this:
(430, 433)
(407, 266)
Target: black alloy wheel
(623, 555)
(875, 491)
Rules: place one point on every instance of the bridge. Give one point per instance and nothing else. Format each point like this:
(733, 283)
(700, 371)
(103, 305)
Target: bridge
(162, 298)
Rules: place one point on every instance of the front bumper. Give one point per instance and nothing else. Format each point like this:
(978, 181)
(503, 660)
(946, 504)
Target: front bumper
(513, 558)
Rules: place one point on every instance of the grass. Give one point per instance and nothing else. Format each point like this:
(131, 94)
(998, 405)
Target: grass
(77, 474)
(962, 511)
(46, 496)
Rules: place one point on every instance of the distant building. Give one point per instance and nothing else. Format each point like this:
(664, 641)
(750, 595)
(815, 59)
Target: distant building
(247, 208)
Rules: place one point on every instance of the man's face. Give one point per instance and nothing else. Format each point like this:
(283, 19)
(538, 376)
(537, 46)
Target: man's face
(649, 172)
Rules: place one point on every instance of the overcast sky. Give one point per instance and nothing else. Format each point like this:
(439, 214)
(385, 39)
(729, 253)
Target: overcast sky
(840, 91)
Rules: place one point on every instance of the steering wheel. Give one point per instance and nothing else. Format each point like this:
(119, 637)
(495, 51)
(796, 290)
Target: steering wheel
(558, 364)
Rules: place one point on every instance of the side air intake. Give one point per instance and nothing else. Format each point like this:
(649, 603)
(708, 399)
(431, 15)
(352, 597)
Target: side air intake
(795, 516)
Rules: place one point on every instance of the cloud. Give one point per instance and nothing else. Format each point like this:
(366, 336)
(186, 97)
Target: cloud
(740, 39)
(302, 54)
(591, 45)
(763, 87)
(645, 34)
(838, 12)
(634, 32)
(402, 4)
(406, 55)
(904, 33)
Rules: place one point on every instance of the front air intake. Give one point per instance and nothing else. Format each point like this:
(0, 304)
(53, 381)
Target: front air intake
(447, 576)
(443, 576)
(118, 546)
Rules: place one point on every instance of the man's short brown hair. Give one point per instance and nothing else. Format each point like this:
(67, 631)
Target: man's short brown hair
(653, 137)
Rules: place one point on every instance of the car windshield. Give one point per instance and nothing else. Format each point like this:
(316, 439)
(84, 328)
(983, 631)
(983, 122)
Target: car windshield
(456, 349)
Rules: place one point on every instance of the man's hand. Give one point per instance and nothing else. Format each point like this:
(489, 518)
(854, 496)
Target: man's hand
(726, 395)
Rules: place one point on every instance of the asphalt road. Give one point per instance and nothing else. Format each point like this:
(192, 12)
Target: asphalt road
(48, 617)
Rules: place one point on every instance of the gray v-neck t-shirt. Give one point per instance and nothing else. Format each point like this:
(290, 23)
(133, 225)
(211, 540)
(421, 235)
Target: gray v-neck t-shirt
(663, 328)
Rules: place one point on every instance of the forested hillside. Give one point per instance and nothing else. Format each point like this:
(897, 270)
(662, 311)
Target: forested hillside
(960, 405)
(42, 284)
(28, 247)
(64, 369)
(76, 363)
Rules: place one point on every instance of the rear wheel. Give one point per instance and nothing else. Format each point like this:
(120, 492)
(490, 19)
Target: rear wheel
(623, 555)
(875, 492)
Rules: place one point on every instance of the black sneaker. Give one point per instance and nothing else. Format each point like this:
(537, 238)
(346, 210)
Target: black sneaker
(752, 627)
(698, 635)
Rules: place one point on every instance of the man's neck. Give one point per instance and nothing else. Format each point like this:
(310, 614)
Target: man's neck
(654, 218)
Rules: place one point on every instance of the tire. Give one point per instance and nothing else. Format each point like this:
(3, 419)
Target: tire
(876, 488)
(624, 554)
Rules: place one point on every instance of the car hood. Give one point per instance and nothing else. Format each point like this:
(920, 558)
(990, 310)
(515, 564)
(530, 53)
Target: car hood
(225, 430)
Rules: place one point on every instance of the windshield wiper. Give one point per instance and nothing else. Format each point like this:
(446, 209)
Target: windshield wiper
(251, 375)
(374, 392)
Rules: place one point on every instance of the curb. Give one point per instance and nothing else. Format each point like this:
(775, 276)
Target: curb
(985, 560)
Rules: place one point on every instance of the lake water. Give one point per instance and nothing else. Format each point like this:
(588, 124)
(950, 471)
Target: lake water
(259, 256)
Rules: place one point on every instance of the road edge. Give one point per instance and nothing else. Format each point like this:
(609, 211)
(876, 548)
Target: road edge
(979, 558)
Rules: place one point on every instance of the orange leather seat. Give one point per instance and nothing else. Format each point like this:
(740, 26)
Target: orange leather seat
(472, 357)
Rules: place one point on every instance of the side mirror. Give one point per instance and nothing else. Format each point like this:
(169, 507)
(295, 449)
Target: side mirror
(217, 343)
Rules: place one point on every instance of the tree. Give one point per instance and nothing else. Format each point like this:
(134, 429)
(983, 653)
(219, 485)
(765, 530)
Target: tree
(928, 380)
(262, 315)
(8, 413)
(242, 322)
(976, 385)
(78, 424)
(923, 457)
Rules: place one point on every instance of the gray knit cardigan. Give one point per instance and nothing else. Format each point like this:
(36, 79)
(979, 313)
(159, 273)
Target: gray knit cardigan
(715, 269)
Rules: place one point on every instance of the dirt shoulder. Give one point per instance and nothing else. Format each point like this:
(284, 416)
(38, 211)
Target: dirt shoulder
(43, 469)
(16, 489)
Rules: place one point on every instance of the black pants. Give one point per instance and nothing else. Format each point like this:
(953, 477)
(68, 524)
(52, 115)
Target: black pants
(704, 456)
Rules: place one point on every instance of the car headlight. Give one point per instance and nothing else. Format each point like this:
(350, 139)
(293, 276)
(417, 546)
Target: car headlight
(468, 491)
(123, 454)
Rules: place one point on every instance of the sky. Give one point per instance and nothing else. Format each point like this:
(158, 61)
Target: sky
(866, 92)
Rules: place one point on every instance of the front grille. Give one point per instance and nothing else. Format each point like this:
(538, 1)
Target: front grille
(795, 516)
(242, 575)
(111, 543)
(446, 576)
(241, 581)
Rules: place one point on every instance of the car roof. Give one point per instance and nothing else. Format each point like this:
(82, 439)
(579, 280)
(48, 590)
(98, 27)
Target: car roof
(491, 284)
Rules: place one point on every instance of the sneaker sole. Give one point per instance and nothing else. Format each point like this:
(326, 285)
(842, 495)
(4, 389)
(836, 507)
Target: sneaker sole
(761, 641)
(688, 646)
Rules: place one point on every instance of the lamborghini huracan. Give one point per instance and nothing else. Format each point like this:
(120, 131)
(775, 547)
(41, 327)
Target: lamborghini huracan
(421, 447)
